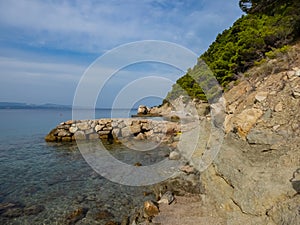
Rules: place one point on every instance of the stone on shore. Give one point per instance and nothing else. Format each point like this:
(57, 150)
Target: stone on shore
(116, 130)
(143, 110)
(150, 209)
(174, 155)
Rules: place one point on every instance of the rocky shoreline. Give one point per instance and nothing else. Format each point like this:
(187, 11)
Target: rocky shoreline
(255, 178)
(114, 130)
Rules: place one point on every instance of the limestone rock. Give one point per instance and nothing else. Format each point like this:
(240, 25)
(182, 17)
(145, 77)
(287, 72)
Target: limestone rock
(125, 220)
(263, 137)
(278, 107)
(33, 210)
(66, 139)
(174, 155)
(167, 198)
(140, 136)
(63, 126)
(261, 96)
(296, 92)
(135, 128)
(112, 223)
(246, 120)
(79, 135)
(125, 132)
(63, 133)
(146, 126)
(83, 126)
(99, 127)
(73, 129)
(13, 212)
(75, 216)
(143, 109)
(103, 214)
(290, 74)
(50, 137)
(149, 133)
(89, 131)
(150, 209)
(69, 122)
(187, 169)
(93, 136)
(104, 132)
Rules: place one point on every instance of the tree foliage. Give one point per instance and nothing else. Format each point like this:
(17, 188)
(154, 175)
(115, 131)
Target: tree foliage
(269, 25)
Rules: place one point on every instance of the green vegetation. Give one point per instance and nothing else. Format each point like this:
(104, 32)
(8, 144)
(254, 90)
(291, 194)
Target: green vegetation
(265, 31)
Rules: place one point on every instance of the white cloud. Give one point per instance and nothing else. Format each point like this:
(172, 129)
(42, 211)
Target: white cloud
(40, 40)
(12, 68)
(96, 25)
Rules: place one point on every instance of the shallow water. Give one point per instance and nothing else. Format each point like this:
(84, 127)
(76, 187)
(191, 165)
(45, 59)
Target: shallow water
(54, 178)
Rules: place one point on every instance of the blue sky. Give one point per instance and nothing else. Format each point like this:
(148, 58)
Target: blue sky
(45, 46)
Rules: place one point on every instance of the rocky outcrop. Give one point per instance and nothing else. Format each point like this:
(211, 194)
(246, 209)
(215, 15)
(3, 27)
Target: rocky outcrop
(142, 110)
(255, 178)
(155, 111)
(114, 130)
(252, 179)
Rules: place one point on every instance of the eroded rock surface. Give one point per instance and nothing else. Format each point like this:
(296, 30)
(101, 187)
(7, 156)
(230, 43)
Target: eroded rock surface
(250, 179)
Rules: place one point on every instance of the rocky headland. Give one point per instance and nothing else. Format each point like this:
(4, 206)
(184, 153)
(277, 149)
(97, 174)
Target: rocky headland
(255, 178)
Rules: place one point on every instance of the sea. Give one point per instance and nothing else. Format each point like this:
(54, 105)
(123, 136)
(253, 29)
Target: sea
(51, 183)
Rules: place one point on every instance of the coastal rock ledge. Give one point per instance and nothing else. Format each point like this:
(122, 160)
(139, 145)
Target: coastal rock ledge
(114, 130)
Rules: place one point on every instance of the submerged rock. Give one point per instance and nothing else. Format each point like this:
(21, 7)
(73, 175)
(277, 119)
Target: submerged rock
(103, 215)
(33, 210)
(75, 216)
(13, 212)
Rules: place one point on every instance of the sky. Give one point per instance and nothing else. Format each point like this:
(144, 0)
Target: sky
(47, 46)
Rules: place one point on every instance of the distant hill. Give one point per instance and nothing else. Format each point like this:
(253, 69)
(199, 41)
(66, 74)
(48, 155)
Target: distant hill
(18, 105)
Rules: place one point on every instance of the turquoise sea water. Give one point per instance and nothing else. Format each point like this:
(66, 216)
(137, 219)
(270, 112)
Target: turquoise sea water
(43, 183)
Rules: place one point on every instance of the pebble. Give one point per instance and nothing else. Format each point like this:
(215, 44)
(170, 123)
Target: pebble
(103, 214)
(150, 209)
(187, 169)
(76, 215)
(112, 223)
(290, 74)
(174, 155)
(276, 127)
(73, 129)
(278, 107)
(33, 210)
(167, 198)
(138, 164)
(261, 96)
(13, 212)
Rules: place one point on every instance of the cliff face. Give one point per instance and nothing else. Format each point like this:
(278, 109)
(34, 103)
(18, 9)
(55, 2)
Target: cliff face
(255, 178)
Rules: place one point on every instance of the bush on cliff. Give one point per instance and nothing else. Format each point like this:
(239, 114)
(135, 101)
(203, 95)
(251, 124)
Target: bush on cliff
(268, 26)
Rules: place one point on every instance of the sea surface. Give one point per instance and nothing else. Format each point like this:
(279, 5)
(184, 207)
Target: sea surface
(45, 183)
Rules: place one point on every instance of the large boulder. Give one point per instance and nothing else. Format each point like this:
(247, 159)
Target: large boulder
(143, 110)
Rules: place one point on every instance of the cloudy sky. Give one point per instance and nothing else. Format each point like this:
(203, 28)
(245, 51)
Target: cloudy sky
(46, 46)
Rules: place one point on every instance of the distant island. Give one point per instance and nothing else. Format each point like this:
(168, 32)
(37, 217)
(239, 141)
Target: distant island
(18, 105)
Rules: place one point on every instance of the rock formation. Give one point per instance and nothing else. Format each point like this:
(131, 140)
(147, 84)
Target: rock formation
(251, 180)
(114, 130)
(255, 178)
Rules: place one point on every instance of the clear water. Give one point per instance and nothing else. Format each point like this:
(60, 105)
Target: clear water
(55, 177)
